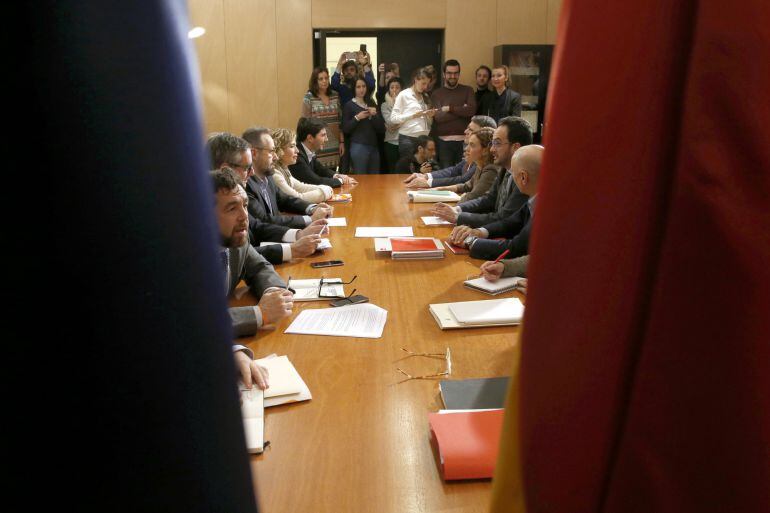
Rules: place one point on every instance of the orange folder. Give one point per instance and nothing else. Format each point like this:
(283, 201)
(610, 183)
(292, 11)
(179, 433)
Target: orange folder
(412, 244)
(467, 442)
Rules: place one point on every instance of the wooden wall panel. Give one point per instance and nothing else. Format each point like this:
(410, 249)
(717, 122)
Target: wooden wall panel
(295, 57)
(470, 36)
(379, 14)
(211, 62)
(554, 9)
(521, 21)
(250, 33)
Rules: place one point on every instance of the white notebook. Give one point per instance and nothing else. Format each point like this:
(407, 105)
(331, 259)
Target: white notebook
(489, 311)
(286, 385)
(253, 413)
(428, 196)
(307, 290)
(493, 288)
(480, 315)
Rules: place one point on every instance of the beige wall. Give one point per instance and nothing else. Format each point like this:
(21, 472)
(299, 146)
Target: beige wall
(248, 41)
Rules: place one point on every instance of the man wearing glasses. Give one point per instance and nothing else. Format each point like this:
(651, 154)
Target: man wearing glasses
(456, 104)
(503, 198)
(460, 172)
(228, 150)
(266, 201)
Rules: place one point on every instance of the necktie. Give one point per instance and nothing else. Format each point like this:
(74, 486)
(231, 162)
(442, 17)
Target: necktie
(263, 187)
(225, 256)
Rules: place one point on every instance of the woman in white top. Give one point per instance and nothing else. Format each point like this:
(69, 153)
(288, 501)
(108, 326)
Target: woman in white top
(391, 129)
(411, 110)
(286, 149)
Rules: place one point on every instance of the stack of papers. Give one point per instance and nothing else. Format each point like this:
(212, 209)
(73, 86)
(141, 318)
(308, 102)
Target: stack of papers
(308, 290)
(363, 320)
(493, 288)
(253, 413)
(476, 314)
(286, 385)
(416, 248)
(384, 231)
(434, 221)
(429, 196)
(467, 442)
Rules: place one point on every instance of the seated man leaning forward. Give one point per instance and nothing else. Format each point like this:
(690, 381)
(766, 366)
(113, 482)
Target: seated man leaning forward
(240, 261)
(514, 229)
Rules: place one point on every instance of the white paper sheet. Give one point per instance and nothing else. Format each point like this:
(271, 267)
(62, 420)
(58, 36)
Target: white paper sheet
(324, 244)
(434, 220)
(384, 231)
(337, 221)
(365, 320)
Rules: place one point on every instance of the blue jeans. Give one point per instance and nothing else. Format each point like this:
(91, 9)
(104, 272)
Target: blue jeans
(365, 159)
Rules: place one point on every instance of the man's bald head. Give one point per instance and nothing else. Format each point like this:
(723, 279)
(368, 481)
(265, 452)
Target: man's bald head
(525, 167)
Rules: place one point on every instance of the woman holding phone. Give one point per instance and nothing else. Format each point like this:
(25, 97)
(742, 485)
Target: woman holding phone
(323, 103)
(361, 124)
(411, 111)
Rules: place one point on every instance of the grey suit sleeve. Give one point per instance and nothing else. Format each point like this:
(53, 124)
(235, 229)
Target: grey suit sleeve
(259, 274)
(515, 266)
(244, 320)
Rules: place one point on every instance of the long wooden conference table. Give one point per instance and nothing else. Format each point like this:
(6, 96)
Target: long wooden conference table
(363, 442)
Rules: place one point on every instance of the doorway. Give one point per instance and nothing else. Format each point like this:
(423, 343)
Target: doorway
(411, 49)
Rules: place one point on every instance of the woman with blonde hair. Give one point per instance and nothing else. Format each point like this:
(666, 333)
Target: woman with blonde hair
(501, 101)
(286, 148)
(478, 154)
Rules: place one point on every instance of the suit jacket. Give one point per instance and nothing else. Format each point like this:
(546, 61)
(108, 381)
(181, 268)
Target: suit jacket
(266, 232)
(511, 105)
(515, 228)
(502, 200)
(315, 173)
(453, 175)
(279, 201)
(248, 265)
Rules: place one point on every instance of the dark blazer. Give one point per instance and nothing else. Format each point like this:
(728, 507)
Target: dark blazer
(511, 105)
(315, 173)
(280, 201)
(515, 228)
(248, 265)
(502, 200)
(266, 232)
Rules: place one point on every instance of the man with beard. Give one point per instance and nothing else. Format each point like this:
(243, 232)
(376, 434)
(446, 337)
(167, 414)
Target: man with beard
(456, 104)
(228, 150)
(483, 74)
(504, 197)
(266, 201)
(240, 261)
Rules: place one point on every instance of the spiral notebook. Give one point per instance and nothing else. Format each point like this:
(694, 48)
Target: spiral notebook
(493, 288)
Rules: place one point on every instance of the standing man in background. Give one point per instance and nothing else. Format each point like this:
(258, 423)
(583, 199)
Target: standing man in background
(456, 105)
(483, 74)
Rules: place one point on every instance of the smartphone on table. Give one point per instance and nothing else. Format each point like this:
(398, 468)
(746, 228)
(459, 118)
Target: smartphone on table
(327, 263)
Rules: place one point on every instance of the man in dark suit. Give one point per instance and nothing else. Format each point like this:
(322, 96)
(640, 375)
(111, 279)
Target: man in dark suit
(240, 260)
(311, 137)
(503, 198)
(525, 171)
(228, 150)
(266, 202)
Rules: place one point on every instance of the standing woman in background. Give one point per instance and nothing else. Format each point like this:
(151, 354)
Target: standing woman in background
(501, 101)
(322, 102)
(412, 113)
(391, 129)
(286, 149)
(361, 123)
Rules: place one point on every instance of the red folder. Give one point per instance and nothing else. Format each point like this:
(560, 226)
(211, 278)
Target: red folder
(467, 442)
(412, 244)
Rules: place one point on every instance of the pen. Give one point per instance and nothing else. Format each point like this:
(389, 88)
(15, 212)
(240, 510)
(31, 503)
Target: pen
(324, 230)
(502, 255)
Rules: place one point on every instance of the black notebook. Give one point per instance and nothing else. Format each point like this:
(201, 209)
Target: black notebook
(474, 394)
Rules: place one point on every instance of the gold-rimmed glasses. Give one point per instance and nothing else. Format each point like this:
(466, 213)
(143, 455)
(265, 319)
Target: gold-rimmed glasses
(447, 356)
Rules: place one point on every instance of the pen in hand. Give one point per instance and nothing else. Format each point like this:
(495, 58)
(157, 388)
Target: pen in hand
(502, 255)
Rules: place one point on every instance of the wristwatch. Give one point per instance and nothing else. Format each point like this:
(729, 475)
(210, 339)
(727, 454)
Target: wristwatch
(469, 240)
